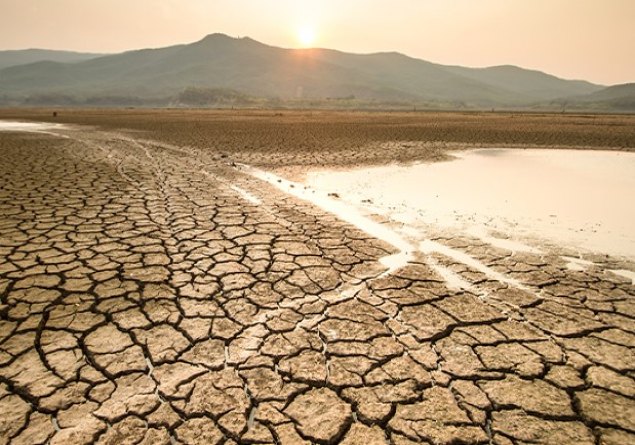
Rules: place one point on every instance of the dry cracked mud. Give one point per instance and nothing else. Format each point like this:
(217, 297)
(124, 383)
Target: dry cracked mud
(148, 298)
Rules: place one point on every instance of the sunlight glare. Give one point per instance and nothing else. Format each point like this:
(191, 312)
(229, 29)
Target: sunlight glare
(306, 36)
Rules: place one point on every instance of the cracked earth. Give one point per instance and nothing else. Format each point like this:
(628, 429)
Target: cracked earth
(156, 294)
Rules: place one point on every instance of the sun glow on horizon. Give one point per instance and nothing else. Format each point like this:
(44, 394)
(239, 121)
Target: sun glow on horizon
(306, 36)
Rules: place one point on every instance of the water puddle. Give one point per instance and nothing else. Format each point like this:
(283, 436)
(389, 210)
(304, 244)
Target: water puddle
(33, 127)
(573, 198)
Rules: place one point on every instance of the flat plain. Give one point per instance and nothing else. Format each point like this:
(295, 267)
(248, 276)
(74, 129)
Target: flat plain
(153, 292)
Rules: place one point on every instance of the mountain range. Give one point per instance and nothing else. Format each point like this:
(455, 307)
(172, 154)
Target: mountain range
(220, 70)
(26, 56)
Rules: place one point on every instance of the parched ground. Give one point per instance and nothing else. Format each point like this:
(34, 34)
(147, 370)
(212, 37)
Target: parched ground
(145, 298)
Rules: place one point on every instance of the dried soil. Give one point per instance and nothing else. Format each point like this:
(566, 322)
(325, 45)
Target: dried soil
(144, 300)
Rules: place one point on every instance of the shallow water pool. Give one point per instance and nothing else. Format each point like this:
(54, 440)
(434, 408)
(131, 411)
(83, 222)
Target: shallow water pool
(575, 198)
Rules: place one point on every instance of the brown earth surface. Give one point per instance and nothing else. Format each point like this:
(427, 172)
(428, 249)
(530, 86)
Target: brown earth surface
(145, 300)
(332, 138)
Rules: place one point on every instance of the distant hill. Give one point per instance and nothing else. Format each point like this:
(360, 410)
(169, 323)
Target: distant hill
(617, 97)
(25, 56)
(533, 85)
(247, 71)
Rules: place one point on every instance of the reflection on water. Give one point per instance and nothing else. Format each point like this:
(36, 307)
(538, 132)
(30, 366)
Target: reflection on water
(573, 197)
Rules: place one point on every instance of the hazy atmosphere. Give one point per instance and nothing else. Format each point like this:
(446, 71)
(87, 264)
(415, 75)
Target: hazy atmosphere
(575, 39)
(285, 222)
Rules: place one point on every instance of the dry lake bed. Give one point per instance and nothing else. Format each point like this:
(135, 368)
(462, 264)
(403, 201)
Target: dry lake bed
(206, 277)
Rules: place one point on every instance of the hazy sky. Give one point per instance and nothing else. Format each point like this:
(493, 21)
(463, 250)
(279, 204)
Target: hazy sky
(589, 39)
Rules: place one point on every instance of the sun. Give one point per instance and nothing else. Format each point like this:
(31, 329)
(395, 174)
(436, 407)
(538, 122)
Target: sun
(306, 36)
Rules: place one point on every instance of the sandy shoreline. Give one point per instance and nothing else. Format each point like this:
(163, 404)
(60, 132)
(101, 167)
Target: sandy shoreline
(152, 288)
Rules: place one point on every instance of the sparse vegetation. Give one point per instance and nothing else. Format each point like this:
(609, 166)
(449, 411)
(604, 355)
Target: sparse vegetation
(213, 97)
